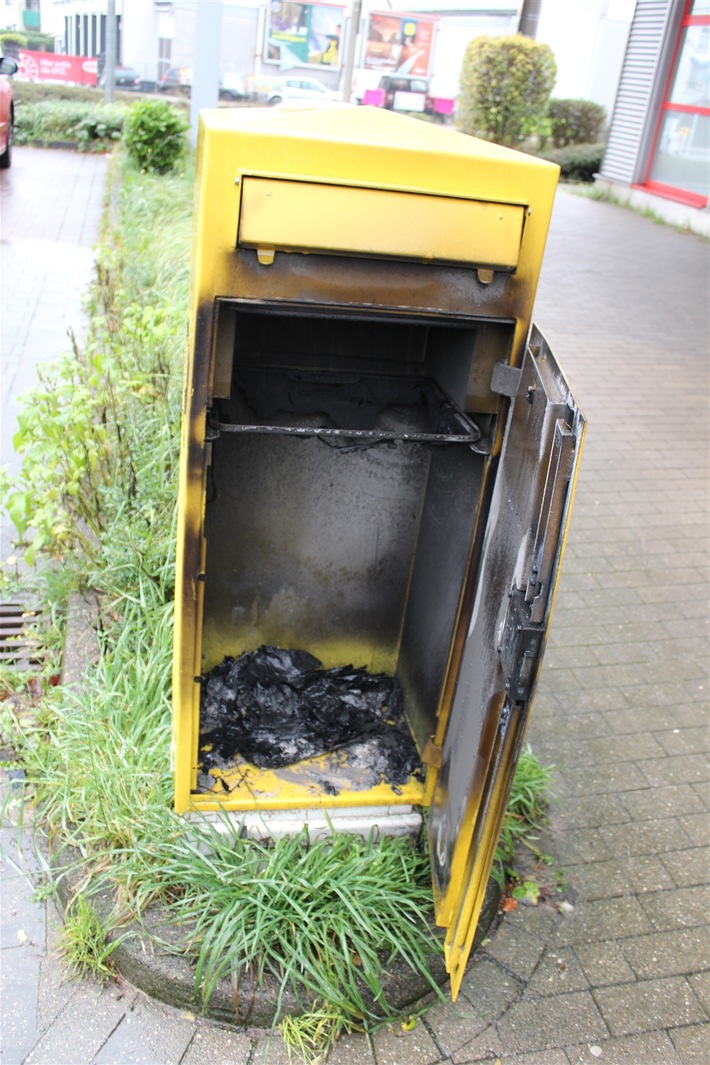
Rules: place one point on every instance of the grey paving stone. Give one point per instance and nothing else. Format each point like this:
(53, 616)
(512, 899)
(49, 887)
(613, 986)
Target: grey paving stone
(680, 908)
(592, 811)
(647, 1006)
(684, 740)
(147, 1033)
(542, 1057)
(658, 714)
(697, 828)
(270, 1049)
(486, 991)
(676, 769)
(646, 873)
(19, 1030)
(534, 1024)
(688, 867)
(558, 972)
(700, 983)
(581, 845)
(596, 880)
(693, 1043)
(602, 920)
(81, 1029)
(349, 1050)
(651, 804)
(394, 1046)
(599, 780)
(604, 963)
(668, 953)
(645, 837)
(487, 1045)
(653, 1049)
(702, 790)
(214, 1045)
(516, 951)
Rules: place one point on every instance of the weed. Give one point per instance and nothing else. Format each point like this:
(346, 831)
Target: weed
(311, 1035)
(86, 943)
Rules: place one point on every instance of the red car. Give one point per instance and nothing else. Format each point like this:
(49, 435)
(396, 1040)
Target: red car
(7, 111)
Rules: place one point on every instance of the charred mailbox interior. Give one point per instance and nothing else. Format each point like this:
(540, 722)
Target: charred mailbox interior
(377, 467)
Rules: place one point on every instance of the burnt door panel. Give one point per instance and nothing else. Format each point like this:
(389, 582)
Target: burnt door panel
(504, 644)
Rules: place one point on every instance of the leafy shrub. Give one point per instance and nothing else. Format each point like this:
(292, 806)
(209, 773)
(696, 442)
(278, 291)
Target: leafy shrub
(575, 122)
(10, 43)
(579, 162)
(104, 124)
(154, 134)
(505, 87)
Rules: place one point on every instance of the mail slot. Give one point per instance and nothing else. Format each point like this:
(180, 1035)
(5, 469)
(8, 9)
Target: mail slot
(378, 460)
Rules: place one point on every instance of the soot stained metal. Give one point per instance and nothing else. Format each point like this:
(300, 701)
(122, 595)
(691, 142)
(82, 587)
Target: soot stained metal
(366, 281)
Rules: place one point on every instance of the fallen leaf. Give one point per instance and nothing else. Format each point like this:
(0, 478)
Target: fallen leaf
(507, 905)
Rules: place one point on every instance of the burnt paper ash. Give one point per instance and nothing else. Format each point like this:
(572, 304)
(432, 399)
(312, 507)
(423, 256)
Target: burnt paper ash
(274, 707)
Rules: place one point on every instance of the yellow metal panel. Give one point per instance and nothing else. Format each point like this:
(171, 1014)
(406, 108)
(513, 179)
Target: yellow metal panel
(299, 786)
(305, 216)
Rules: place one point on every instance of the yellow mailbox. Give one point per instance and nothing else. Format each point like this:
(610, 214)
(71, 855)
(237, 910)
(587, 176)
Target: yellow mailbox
(378, 460)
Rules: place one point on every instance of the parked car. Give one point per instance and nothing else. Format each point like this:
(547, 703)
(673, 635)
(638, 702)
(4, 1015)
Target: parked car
(8, 67)
(286, 89)
(176, 79)
(233, 87)
(125, 78)
(403, 92)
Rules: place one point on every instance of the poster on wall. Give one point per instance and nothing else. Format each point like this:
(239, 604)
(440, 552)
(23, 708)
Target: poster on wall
(401, 43)
(304, 35)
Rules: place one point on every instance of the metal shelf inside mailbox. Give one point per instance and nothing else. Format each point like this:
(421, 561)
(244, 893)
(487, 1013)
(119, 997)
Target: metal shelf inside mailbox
(358, 407)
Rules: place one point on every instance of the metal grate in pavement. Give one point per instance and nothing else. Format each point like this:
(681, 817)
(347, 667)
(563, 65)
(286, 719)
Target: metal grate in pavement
(19, 645)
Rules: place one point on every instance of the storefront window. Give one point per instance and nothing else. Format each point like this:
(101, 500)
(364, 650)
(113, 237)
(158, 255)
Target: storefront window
(680, 166)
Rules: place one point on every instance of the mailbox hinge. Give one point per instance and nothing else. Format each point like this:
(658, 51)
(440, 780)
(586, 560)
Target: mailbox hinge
(520, 647)
(506, 379)
(431, 755)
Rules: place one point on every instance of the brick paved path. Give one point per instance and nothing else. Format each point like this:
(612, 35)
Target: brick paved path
(622, 711)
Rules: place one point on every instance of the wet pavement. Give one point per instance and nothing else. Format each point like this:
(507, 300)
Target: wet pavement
(621, 974)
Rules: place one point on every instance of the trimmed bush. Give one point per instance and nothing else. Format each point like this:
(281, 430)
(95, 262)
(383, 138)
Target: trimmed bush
(505, 87)
(575, 122)
(579, 162)
(154, 134)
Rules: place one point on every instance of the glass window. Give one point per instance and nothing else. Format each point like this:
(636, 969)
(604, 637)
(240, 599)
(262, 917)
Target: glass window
(690, 81)
(681, 159)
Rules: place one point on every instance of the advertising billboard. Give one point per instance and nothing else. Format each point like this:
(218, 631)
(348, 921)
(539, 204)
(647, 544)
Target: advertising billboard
(304, 35)
(47, 66)
(401, 43)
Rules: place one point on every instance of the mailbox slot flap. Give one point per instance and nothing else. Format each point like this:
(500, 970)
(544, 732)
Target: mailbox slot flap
(282, 215)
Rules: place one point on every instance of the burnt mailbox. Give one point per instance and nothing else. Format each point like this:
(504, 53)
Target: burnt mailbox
(378, 460)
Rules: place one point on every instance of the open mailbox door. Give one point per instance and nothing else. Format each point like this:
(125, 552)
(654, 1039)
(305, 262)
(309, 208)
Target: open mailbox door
(512, 601)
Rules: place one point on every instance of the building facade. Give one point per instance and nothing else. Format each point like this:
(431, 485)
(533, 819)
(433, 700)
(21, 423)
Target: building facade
(657, 150)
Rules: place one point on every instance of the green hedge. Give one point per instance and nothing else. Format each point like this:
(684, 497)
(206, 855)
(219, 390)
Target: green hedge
(575, 122)
(89, 126)
(579, 162)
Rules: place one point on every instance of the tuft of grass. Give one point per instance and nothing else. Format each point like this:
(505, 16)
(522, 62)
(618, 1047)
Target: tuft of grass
(311, 1035)
(323, 920)
(525, 814)
(85, 940)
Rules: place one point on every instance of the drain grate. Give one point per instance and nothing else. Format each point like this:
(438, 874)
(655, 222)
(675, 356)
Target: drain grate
(19, 645)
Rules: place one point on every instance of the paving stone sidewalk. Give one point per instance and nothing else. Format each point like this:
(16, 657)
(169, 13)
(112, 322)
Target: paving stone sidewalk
(622, 975)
